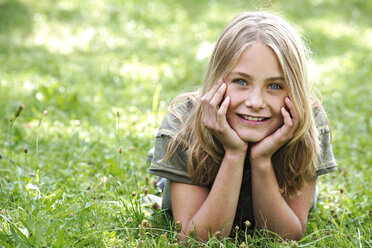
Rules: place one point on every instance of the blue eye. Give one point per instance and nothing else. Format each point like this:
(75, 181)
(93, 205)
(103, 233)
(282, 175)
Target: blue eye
(240, 81)
(275, 87)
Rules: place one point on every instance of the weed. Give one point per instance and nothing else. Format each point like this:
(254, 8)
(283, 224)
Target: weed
(83, 182)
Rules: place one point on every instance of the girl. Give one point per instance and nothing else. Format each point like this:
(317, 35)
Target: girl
(250, 144)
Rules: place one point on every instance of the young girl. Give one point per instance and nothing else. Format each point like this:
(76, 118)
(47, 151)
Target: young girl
(250, 144)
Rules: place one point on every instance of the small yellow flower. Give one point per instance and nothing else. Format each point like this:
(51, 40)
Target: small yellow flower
(247, 223)
(217, 235)
(155, 206)
(243, 245)
(145, 224)
(146, 191)
(178, 226)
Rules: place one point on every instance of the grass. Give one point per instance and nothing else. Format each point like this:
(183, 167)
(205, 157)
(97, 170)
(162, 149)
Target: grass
(105, 72)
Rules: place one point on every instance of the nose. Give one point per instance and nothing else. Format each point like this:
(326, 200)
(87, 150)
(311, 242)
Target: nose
(255, 99)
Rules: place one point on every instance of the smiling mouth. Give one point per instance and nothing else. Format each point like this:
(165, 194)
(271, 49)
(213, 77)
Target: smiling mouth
(251, 118)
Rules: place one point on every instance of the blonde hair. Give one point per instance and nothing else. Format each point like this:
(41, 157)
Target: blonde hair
(294, 162)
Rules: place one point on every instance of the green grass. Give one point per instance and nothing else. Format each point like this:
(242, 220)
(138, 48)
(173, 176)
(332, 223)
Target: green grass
(85, 61)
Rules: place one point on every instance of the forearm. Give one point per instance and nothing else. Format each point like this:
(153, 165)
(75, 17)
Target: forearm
(218, 210)
(270, 208)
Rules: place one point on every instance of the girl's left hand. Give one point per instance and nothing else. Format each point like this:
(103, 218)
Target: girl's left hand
(264, 149)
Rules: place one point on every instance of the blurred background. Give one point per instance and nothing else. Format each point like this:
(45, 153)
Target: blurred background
(106, 70)
(85, 60)
(79, 59)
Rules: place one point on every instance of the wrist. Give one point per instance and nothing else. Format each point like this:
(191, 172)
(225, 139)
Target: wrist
(235, 154)
(261, 162)
(257, 157)
(241, 152)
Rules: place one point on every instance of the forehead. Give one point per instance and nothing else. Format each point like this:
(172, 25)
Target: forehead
(258, 60)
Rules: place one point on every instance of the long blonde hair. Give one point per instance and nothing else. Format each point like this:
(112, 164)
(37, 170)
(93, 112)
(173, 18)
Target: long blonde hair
(294, 162)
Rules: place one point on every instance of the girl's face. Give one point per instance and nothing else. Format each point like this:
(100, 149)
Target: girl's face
(257, 90)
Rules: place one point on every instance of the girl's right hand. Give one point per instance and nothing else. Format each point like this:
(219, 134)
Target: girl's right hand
(214, 118)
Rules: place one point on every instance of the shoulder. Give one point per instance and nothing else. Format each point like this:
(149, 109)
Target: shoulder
(175, 167)
(321, 120)
(174, 119)
(325, 162)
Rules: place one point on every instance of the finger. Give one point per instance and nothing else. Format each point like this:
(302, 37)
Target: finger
(287, 118)
(291, 108)
(223, 109)
(209, 114)
(293, 113)
(208, 117)
(284, 132)
(209, 95)
(218, 96)
(221, 122)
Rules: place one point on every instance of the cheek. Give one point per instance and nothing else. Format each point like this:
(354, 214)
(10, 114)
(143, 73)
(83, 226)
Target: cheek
(279, 119)
(228, 91)
(279, 103)
(234, 96)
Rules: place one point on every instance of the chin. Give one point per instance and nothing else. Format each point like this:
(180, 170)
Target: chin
(252, 139)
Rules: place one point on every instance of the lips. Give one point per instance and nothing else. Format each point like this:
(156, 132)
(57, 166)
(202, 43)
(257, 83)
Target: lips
(252, 118)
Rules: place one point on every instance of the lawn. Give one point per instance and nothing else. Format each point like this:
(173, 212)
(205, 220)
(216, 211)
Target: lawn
(85, 84)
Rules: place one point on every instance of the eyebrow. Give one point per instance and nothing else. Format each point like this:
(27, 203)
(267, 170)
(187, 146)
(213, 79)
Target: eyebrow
(245, 75)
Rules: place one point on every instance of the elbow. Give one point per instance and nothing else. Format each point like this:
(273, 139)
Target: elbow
(296, 233)
(290, 231)
(295, 236)
(203, 234)
(297, 230)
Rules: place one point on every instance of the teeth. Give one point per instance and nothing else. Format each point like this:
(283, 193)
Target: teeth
(252, 118)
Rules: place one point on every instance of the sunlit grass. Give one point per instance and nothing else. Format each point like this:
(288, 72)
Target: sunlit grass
(106, 71)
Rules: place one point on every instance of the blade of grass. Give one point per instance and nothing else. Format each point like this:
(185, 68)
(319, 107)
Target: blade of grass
(19, 236)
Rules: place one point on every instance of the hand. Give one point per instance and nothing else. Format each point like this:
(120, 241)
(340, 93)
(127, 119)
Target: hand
(264, 149)
(214, 118)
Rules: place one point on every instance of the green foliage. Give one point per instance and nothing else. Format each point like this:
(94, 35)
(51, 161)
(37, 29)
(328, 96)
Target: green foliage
(105, 72)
